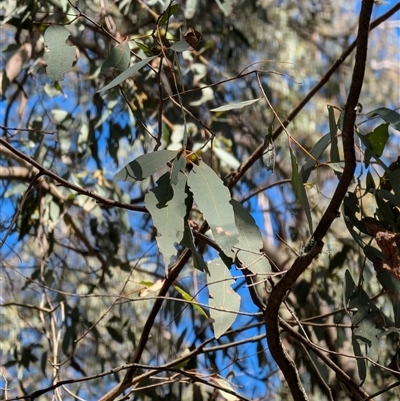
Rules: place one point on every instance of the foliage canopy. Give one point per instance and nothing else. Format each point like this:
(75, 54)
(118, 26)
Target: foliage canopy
(201, 200)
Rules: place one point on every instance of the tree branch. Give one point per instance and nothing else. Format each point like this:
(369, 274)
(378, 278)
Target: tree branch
(315, 244)
(258, 152)
(67, 184)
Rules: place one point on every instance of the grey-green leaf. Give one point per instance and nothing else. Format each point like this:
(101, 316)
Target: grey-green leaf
(334, 153)
(213, 197)
(133, 69)
(250, 241)
(299, 189)
(232, 106)
(222, 297)
(361, 362)
(166, 204)
(180, 46)
(390, 116)
(59, 56)
(316, 152)
(145, 165)
(118, 59)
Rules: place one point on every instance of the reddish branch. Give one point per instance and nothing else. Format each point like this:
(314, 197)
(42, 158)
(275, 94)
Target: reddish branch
(258, 152)
(315, 244)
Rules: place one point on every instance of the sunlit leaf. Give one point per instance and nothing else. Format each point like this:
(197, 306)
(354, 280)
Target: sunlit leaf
(189, 298)
(222, 296)
(59, 56)
(168, 13)
(227, 158)
(145, 165)
(233, 106)
(127, 73)
(213, 197)
(378, 138)
(225, 384)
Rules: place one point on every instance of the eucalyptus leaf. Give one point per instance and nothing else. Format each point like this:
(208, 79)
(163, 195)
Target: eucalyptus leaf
(59, 56)
(213, 197)
(361, 362)
(180, 46)
(334, 152)
(222, 296)
(166, 204)
(250, 241)
(127, 73)
(390, 116)
(298, 186)
(316, 152)
(233, 106)
(190, 299)
(145, 165)
(118, 59)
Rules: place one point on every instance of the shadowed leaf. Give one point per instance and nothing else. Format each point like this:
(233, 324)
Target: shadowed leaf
(145, 165)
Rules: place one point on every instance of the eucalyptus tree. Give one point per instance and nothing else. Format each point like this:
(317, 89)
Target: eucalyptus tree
(200, 201)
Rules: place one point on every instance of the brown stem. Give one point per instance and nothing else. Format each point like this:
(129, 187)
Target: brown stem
(315, 244)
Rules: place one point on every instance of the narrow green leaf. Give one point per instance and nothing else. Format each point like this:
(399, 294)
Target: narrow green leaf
(250, 241)
(166, 204)
(213, 197)
(127, 73)
(369, 183)
(118, 59)
(146, 49)
(299, 189)
(145, 165)
(168, 13)
(316, 152)
(59, 56)
(361, 363)
(378, 138)
(232, 106)
(334, 153)
(222, 296)
(390, 116)
(189, 298)
(348, 288)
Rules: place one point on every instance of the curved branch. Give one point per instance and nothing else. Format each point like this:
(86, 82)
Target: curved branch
(315, 244)
(258, 152)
